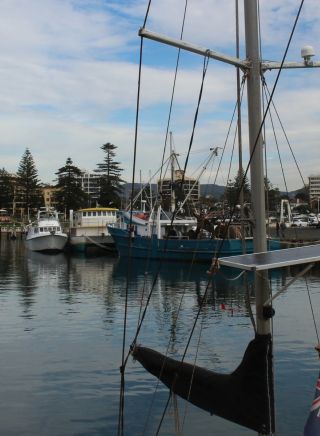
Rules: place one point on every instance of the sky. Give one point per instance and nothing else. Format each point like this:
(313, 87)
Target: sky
(69, 83)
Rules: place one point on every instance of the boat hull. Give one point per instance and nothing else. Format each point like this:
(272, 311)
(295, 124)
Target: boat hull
(196, 250)
(47, 243)
(84, 242)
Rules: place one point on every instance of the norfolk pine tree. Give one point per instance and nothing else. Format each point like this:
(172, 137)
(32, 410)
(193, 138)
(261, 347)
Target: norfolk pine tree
(6, 190)
(69, 194)
(233, 189)
(29, 190)
(110, 180)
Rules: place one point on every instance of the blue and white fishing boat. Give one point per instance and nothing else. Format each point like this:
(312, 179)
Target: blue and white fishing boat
(182, 238)
(176, 235)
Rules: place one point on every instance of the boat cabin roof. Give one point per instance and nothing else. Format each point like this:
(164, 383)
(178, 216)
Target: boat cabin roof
(273, 259)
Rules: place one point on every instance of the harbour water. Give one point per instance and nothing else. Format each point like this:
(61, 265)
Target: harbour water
(61, 321)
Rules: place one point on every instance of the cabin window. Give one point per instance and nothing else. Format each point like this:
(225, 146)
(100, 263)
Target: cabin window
(45, 229)
(41, 229)
(84, 213)
(94, 213)
(89, 213)
(104, 213)
(58, 229)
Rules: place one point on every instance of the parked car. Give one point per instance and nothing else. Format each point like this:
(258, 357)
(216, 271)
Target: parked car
(314, 223)
(299, 222)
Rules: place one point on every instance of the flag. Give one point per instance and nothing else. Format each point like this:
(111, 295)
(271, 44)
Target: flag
(312, 427)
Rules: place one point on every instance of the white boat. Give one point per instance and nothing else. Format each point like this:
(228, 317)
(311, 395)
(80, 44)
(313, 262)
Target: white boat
(88, 228)
(46, 234)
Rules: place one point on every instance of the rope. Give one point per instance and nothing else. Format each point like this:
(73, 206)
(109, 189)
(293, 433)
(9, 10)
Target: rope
(173, 89)
(207, 286)
(178, 431)
(122, 368)
(193, 371)
(104, 247)
(206, 60)
(204, 72)
(166, 353)
(142, 316)
(286, 136)
(267, 108)
(147, 14)
(278, 151)
(233, 278)
(312, 311)
(248, 304)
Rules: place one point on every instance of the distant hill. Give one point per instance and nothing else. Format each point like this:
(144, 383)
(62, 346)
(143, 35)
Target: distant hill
(216, 191)
(206, 189)
(127, 187)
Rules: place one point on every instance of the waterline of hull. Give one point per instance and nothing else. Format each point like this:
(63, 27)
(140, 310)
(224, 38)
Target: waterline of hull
(47, 243)
(198, 250)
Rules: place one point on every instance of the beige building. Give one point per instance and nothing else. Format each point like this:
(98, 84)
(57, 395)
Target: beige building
(314, 187)
(190, 186)
(48, 193)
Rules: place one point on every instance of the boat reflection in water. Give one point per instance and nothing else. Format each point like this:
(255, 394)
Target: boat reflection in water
(63, 318)
(177, 292)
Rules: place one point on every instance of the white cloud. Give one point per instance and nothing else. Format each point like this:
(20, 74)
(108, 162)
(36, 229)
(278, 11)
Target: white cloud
(69, 72)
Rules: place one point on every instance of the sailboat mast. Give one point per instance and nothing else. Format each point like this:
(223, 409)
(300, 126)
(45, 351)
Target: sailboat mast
(173, 195)
(256, 150)
(239, 128)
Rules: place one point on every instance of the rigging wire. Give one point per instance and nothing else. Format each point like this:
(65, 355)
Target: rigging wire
(264, 129)
(193, 371)
(204, 72)
(274, 87)
(123, 358)
(279, 154)
(174, 87)
(278, 151)
(167, 132)
(203, 299)
(287, 139)
(312, 311)
(147, 14)
(264, 118)
(168, 345)
(229, 128)
(254, 147)
(122, 368)
(231, 159)
(243, 181)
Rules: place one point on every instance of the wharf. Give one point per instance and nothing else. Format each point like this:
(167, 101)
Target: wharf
(298, 235)
(12, 231)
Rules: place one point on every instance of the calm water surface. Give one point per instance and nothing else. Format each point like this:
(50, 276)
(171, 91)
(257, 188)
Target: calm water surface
(61, 320)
